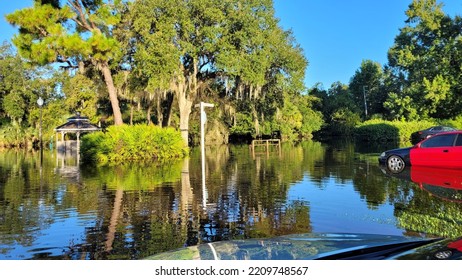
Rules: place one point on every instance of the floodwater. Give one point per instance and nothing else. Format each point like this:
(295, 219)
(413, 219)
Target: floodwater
(54, 208)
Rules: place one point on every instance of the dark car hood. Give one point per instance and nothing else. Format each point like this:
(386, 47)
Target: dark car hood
(317, 246)
(400, 150)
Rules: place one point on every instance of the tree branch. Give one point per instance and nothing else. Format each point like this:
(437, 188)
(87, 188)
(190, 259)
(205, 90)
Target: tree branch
(81, 14)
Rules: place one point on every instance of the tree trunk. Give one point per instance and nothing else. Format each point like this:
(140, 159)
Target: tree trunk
(185, 106)
(187, 194)
(131, 112)
(256, 122)
(186, 87)
(110, 237)
(148, 114)
(112, 93)
(169, 97)
(160, 116)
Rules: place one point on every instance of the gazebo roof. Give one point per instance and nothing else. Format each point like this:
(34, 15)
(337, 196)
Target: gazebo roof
(76, 124)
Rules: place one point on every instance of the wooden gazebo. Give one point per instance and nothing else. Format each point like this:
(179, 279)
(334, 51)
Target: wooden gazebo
(76, 124)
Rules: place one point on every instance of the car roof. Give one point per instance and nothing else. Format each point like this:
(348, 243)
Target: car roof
(441, 126)
(449, 132)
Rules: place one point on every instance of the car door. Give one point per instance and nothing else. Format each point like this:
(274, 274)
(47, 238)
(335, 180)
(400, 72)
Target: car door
(455, 155)
(435, 151)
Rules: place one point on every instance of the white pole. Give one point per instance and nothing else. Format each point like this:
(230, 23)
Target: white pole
(365, 103)
(204, 190)
(202, 105)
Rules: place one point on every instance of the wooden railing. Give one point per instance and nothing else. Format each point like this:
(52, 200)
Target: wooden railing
(265, 146)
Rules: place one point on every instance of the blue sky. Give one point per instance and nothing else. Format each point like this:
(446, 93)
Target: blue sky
(336, 35)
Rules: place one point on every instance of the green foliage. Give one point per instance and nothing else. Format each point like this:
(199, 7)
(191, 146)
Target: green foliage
(380, 130)
(401, 107)
(343, 122)
(289, 120)
(14, 83)
(243, 126)
(377, 130)
(337, 98)
(145, 51)
(252, 40)
(445, 224)
(45, 37)
(14, 106)
(312, 122)
(367, 82)
(14, 135)
(436, 91)
(338, 107)
(188, 253)
(81, 96)
(297, 119)
(234, 47)
(40, 26)
(21, 85)
(456, 122)
(138, 176)
(424, 73)
(156, 60)
(133, 143)
(78, 35)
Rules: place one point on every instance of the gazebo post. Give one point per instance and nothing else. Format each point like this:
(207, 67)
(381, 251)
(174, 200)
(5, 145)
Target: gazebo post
(78, 144)
(62, 140)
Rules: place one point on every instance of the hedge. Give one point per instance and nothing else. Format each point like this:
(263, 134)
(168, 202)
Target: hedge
(381, 130)
(133, 143)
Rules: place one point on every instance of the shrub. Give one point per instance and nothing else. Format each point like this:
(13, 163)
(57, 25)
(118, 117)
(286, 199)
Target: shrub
(133, 143)
(456, 123)
(380, 130)
(343, 122)
(244, 125)
(15, 136)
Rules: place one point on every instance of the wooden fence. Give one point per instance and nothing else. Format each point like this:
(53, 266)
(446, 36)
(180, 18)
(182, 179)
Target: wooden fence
(265, 146)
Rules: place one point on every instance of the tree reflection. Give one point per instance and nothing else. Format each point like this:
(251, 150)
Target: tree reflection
(246, 198)
(133, 211)
(24, 206)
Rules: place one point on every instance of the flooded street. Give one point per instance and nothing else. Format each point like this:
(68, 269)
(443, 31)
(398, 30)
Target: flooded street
(54, 209)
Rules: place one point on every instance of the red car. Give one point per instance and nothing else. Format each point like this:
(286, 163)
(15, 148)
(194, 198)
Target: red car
(441, 150)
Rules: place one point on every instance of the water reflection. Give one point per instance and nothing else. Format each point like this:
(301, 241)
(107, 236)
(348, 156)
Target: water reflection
(136, 210)
(436, 204)
(443, 183)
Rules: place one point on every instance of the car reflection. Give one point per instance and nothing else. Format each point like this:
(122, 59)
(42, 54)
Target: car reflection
(452, 251)
(443, 183)
(445, 249)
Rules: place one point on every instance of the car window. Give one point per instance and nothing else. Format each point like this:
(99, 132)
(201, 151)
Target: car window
(439, 141)
(459, 140)
(436, 128)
